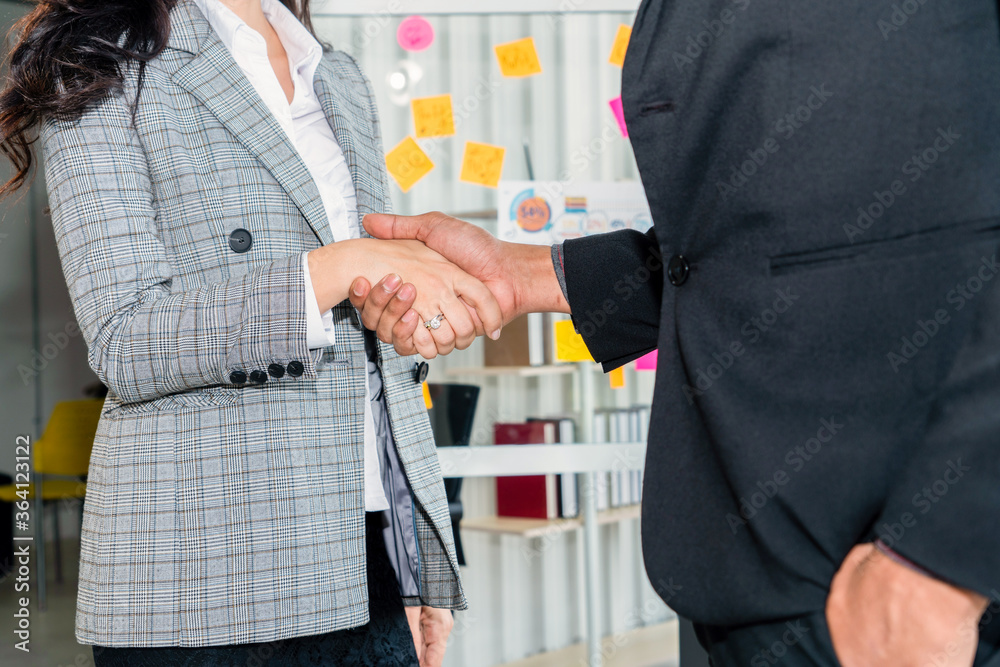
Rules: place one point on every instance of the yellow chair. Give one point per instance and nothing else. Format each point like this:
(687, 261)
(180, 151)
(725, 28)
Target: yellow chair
(62, 454)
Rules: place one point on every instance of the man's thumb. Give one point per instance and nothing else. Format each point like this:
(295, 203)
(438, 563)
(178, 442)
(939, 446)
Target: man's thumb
(385, 226)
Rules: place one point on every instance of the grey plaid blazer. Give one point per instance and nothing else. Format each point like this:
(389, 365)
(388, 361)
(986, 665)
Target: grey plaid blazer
(221, 513)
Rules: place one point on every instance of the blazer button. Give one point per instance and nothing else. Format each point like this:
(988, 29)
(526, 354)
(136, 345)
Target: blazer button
(238, 377)
(240, 240)
(420, 373)
(678, 270)
(295, 368)
(258, 377)
(276, 370)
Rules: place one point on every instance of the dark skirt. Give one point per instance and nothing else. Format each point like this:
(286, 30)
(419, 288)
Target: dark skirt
(385, 641)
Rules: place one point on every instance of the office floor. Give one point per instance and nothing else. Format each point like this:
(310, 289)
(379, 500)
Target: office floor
(53, 643)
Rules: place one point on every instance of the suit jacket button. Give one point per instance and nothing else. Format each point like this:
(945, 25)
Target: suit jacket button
(240, 240)
(238, 377)
(678, 270)
(258, 377)
(276, 370)
(420, 373)
(295, 368)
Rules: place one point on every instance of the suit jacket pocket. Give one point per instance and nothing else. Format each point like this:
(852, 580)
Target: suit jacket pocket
(924, 242)
(215, 396)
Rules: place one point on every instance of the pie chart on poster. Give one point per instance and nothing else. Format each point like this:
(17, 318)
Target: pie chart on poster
(415, 34)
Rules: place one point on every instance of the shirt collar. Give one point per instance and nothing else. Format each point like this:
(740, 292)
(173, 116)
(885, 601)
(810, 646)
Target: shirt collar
(303, 51)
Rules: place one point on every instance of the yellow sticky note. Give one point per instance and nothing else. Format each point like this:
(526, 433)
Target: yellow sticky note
(433, 116)
(617, 378)
(617, 56)
(427, 396)
(518, 58)
(482, 164)
(569, 344)
(408, 163)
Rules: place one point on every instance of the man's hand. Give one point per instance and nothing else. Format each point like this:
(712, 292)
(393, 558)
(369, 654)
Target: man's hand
(521, 277)
(430, 628)
(881, 612)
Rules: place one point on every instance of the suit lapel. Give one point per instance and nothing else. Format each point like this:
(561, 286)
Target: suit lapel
(215, 79)
(348, 118)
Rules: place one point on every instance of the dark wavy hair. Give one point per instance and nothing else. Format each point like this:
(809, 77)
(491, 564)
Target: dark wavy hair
(69, 55)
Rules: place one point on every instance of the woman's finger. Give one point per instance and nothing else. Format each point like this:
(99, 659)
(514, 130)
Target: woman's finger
(397, 307)
(423, 341)
(463, 328)
(402, 333)
(444, 336)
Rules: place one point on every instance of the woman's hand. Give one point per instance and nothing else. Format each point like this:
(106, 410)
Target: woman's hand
(438, 286)
(430, 628)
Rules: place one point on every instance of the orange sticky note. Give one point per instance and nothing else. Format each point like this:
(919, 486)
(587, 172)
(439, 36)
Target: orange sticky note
(569, 344)
(482, 164)
(433, 116)
(427, 396)
(617, 56)
(617, 378)
(518, 58)
(408, 163)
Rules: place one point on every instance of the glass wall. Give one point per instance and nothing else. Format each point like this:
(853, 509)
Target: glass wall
(561, 117)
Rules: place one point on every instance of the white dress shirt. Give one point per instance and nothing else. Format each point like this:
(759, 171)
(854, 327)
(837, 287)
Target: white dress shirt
(306, 126)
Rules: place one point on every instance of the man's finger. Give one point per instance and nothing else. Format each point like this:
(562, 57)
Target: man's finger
(481, 298)
(378, 299)
(359, 292)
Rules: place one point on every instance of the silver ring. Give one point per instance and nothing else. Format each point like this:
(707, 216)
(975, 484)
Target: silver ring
(435, 323)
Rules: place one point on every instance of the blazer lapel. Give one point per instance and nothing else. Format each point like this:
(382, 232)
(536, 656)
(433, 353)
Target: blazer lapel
(349, 119)
(215, 79)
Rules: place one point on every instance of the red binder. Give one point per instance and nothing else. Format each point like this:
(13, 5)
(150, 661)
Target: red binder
(534, 496)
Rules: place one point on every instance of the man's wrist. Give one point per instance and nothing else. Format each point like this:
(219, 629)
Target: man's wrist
(536, 286)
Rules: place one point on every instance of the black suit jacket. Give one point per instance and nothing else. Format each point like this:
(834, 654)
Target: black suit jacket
(830, 173)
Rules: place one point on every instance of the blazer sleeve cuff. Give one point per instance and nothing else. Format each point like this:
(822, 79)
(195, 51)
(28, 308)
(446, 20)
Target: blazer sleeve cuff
(614, 286)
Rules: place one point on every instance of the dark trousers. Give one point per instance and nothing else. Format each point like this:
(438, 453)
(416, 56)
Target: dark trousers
(805, 642)
(384, 642)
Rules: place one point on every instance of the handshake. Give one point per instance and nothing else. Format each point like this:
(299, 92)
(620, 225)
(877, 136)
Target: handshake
(429, 284)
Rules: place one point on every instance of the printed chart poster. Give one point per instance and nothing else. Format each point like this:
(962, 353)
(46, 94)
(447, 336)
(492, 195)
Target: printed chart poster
(547, 212)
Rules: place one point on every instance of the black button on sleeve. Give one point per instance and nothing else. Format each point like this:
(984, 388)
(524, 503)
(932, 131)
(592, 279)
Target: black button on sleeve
(420, 372)
(276, 370)
(240, 240)
(295, 368)
(238, 377)
(678, 270)
(258, 377)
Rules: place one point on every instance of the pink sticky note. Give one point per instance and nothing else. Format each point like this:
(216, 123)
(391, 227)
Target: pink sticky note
(616, 108)
(415, 34)
(647, 363)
